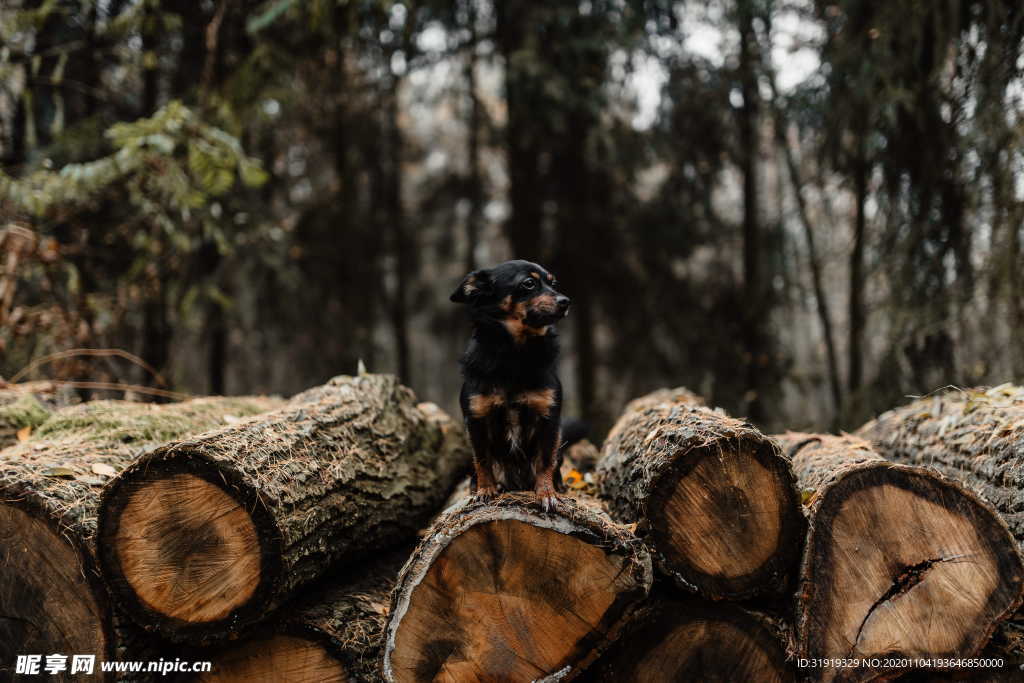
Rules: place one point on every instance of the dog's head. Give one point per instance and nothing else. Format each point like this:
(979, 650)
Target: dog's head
(520, 294)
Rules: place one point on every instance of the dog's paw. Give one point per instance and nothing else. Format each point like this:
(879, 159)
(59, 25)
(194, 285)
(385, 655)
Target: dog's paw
(484, 494)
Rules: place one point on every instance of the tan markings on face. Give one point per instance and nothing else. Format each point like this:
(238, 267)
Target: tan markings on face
(545, 303)
(481, 405)
(518, 329)
(506, 303)
(540, 402)
(535, 275)
(470, 285)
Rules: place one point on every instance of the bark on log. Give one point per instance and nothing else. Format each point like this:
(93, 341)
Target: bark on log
(51, 596)
(202, 538)
(901, 563)
(692, 640)
(503, 591)
(332, 633)
(714, 498)
(974, 436)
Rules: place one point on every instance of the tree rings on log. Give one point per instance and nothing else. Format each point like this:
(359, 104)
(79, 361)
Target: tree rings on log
(670, 640)
(51, 596)
(504, 591)
(202, 538)
(714, 498)
(900, 562)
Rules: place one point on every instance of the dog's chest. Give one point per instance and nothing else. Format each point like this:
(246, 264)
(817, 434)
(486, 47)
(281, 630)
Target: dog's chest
(514, 412)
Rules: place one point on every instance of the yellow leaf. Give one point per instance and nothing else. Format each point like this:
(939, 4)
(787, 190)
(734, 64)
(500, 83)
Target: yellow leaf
(59, 472)
(24, 433)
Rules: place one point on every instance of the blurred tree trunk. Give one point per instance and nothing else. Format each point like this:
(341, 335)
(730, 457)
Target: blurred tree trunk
(475, 181)
(856, 312)
(755, 289)
(821, 299)
(515, 21)
(399, 234)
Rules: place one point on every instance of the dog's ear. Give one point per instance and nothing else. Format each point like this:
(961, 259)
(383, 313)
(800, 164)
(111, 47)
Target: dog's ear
(473, 285)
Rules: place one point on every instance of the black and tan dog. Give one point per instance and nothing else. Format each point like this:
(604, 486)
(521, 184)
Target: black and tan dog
(511, 397)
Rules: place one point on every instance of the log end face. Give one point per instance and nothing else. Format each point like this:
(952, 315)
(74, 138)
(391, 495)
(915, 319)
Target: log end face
(185, 547)
(277, 658)
(510, 597)
(46, 602)
(727, 521)
(696, 642)
(902, 563)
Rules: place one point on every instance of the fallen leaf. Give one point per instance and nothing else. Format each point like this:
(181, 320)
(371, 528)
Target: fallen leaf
(92, 481)
(231, 419)
(103, 469)
(379, 607)
(24, 433)
(59, 472)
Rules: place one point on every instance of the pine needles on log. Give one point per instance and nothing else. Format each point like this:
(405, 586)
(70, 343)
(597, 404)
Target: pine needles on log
(201, 538)
(25, 406)
(51, 597)
(901, 563)
(714, 498)
(505, 591)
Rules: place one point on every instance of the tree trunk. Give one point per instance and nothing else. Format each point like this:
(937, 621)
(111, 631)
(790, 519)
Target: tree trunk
(506, 591)
(820, 298)
(900, 562)
(754, 286)
(672, 640)
(714, 497)
(202, 538)
(332, 633)
(528, 181)
(51, 597)
(857, 315)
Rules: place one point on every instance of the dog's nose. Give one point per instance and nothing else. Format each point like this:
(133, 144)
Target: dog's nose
(563, 303)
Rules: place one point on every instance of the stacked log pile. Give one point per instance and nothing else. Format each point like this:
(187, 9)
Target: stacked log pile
(901, 563)
(51, 596)
(316, 541)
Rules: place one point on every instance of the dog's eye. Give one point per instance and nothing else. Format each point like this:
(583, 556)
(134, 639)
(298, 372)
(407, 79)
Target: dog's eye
(529, 283)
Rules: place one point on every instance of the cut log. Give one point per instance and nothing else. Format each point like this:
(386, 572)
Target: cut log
(503, 591)
(202, 538)
(332, 633)
(974, 436)
(901, 563)
(714, 498)
(672, 640)
(51, 597)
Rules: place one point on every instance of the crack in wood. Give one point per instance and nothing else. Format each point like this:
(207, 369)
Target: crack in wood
(909, 577)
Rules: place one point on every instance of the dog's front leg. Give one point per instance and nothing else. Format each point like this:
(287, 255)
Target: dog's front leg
(547, 460)
(483, 470)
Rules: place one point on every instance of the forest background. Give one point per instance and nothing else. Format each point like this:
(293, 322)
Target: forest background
(803, 210)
